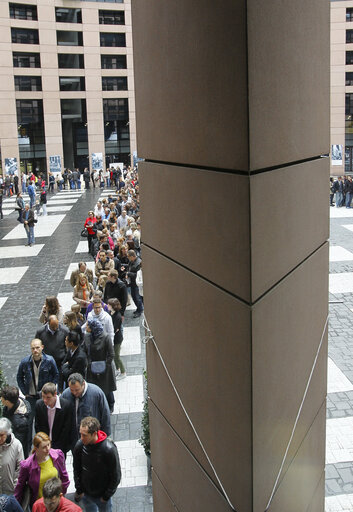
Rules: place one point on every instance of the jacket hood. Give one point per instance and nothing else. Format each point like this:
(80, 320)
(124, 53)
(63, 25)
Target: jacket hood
(101, 436)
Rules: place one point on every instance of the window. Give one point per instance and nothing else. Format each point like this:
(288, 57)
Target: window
(349, 14)
(349, 36)
(114, 83)
(116, 129)
(349, 57)
(24, 35)
(66, 15)
(112, 39)
(349, 104)
(115, 109)
(23, 12)
(31, 137)
(72, 83)
(113, 61)
(26, 60)
(69, 38)
(111, 17)
(28, 83)
(349, 78)
(70, 60)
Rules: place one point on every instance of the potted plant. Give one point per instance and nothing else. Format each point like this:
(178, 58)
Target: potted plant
(145, 424)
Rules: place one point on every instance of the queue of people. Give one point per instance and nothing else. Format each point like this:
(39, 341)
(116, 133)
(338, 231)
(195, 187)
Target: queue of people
(64, 395)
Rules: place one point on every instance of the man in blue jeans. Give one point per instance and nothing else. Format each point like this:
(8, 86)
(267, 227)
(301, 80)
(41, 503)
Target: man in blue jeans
(32, 194)
(97, 472)
(28, 222)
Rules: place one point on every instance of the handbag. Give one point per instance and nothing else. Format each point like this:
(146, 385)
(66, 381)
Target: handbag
(98, 367)
(84, 233)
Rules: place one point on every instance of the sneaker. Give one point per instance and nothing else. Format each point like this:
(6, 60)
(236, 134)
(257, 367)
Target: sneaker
(121, 376)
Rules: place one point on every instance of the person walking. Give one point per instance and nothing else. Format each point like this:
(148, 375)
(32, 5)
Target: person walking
(28, 222)
(1, 194)
(43, 201)
(97, 471)
(11, 454)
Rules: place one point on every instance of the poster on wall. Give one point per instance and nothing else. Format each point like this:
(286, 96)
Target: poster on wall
(11, 166)
(55, 163)
(97, 161)
(336, 154)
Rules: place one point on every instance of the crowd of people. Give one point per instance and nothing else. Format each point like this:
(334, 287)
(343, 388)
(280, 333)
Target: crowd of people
(341, 191)
(64, 396)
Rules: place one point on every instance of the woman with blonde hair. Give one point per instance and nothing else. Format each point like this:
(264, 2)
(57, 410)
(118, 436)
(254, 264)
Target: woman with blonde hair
(70, 320)
(83, 291)
(76, 308)
(44, 463)
(51, 307)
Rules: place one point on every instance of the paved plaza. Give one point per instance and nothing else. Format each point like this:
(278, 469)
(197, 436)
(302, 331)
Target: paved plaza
(27, 276)
(339, 428)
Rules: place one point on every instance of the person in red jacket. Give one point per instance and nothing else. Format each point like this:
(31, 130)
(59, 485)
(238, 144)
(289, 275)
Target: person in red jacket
(91, 230)
(53, 499)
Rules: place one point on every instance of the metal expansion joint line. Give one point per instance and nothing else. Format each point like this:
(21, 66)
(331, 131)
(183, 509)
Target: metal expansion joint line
(146, 339)
(297, 417)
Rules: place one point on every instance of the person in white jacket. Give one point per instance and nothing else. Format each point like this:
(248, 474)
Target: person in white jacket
(11, 454)
(98, 313)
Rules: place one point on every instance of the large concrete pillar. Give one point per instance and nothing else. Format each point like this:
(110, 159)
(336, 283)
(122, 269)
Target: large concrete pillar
(232, 106)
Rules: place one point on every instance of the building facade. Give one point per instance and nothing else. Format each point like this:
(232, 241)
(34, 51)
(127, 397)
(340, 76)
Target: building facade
(341, 87)
(66, 85)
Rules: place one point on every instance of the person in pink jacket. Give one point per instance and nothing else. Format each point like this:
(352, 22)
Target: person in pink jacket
(44, 463)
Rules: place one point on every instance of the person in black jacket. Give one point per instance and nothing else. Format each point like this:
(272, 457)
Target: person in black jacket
(17, 410)
(115, 289)
(97, 471)
(75, 360)
(28, 222)
(53, 336)
(52, 404)
(134, 267)
(1, 214)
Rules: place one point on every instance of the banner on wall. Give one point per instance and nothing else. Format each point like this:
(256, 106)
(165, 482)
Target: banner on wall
(11, 166)
(97, 161)
(336, 154)
(55, 163)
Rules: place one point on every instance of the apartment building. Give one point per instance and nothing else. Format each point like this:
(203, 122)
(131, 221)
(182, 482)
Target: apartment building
(66, 84)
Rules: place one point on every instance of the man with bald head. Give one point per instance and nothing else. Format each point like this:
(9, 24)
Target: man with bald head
(53, 335)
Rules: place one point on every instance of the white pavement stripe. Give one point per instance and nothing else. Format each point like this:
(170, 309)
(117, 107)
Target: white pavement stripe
(339, 440)
(58, 208)
(2, 301)
(348, 226)
(20, 251)
(339, 213)
(74, 266)
(338, 253)
(8, 206)
(66, 300)
(11, 275)
(337, 382)
(341, 282)
(56, 200)
(7, 212)
(132, 341)
(45, 227)
(82, 247)
(133, 462)
(129, 395)
(339, 503)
